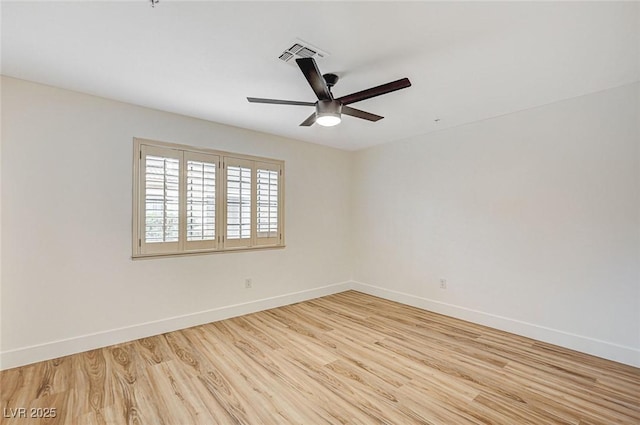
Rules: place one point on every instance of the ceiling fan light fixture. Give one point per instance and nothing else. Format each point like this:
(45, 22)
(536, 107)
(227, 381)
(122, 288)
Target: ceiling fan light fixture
(328, 113)
(328, 120)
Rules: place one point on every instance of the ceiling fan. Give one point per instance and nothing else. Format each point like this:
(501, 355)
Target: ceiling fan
(329, 109)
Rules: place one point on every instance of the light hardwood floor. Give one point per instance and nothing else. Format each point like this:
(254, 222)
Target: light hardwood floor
(346, 358)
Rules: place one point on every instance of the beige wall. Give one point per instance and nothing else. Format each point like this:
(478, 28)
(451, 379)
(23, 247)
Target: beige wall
(66, 226)
(533, 218)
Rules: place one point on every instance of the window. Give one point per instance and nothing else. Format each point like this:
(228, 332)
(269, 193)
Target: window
(191, 200)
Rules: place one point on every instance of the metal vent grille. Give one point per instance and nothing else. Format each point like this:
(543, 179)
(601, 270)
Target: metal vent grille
(301, 49)
(306, 52)
(296, 48)
(285, 56)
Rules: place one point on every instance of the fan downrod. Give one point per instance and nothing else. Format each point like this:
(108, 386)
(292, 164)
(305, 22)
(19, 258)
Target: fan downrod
(331, 79)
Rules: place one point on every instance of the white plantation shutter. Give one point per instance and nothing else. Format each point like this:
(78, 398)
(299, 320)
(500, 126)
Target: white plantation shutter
(201, 200)
(192, 200)
(267, 203)
(239, 199)
(160, 200)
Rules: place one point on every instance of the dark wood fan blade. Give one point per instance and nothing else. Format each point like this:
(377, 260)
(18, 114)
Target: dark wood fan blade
(348, 110)
(375, 91)
(316, 81)
(309, 121)
(279, 102)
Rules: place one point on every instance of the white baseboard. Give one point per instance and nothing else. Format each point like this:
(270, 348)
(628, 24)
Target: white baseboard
(596, 347)
(51, 350)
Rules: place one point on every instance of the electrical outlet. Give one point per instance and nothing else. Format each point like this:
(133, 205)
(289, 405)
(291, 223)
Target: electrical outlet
(443, 283)
(248, 283)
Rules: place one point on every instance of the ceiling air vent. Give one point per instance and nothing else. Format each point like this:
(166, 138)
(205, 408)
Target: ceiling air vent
(286, 56)
(301, 49)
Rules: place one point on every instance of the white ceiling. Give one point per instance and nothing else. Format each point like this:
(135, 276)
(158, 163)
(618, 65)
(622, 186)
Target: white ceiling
(467, 61)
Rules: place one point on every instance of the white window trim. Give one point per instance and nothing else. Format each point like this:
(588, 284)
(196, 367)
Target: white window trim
(221, 243)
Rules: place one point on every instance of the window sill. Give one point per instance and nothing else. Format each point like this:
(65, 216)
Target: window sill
(205, 252)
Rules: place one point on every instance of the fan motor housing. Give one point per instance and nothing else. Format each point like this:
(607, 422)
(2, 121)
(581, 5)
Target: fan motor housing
(326, 107)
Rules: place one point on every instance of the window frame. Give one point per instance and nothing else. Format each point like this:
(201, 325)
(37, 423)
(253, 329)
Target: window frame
(221, 244)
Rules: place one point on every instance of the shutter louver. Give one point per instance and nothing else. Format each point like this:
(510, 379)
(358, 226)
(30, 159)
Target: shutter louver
(238, 202)
(201, 201)
(267, 203)
(161, 199)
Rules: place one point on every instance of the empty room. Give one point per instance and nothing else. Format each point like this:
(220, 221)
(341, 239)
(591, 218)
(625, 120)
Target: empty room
(319, 212)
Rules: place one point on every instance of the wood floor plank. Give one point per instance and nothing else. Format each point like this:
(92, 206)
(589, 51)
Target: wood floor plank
(347, 358)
